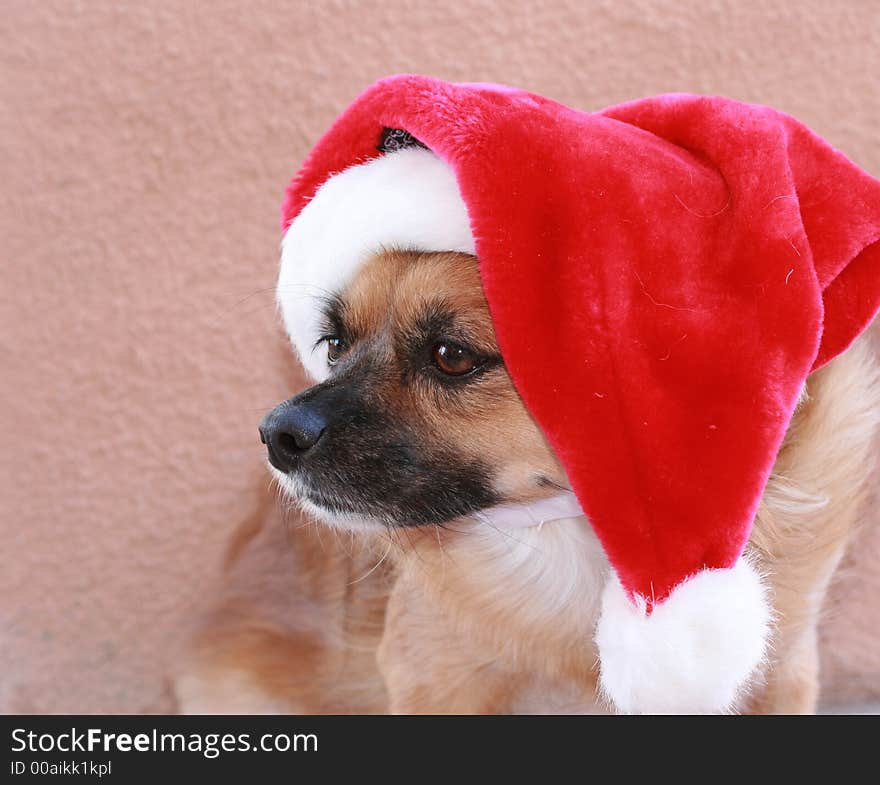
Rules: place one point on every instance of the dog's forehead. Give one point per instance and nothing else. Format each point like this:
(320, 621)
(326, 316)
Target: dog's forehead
(400, 286)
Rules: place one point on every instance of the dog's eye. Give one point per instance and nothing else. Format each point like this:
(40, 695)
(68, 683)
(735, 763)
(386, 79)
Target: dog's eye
(335, 348)
(453, 360)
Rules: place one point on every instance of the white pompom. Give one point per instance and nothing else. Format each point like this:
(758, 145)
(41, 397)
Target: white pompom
(694, 653)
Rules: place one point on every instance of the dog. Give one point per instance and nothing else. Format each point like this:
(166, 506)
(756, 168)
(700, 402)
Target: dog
(392, 590)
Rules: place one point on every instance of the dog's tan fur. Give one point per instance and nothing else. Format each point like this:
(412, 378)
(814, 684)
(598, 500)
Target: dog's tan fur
(467, 618)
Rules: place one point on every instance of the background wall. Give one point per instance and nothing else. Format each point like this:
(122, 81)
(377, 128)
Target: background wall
(145, 150)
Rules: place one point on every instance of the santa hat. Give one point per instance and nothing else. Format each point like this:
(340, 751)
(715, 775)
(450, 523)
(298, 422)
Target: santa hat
(662, 277)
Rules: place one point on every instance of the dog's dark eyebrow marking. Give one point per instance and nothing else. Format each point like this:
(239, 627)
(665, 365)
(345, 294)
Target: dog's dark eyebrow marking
(333, 311)
(436, 320)
(439, 321)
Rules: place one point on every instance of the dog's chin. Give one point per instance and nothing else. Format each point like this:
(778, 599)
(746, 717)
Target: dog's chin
(343, 521)
(356, 519)
(301, 495)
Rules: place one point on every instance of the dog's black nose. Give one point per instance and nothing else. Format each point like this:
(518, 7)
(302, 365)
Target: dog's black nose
(290, 430)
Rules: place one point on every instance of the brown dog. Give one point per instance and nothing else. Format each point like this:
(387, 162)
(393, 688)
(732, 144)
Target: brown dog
(410, 600)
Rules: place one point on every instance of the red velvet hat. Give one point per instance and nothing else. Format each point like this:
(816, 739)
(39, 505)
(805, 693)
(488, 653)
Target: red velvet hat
(662, 276)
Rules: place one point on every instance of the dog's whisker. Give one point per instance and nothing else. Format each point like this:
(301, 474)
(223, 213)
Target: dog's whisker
(443, 555)
(224, 313)
(553, 484)
(488, 521)
(373, 568)
(252, 294)
(292, 285)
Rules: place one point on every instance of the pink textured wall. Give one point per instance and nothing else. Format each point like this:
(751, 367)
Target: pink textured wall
(145, 150)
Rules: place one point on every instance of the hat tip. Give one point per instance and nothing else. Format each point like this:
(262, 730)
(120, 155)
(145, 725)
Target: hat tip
(695, 653)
